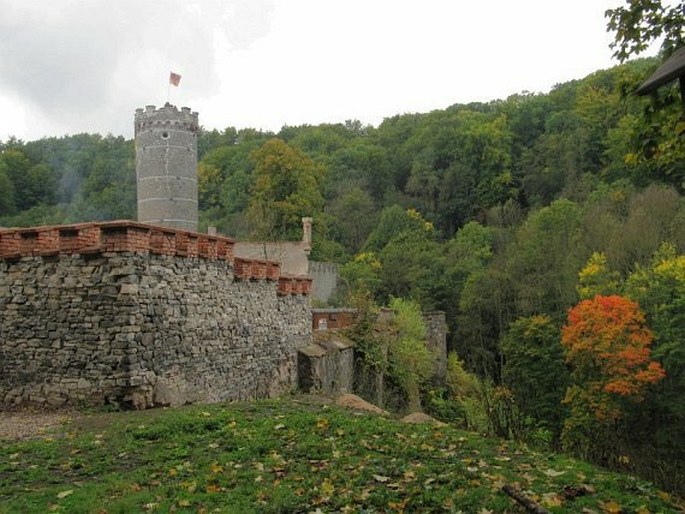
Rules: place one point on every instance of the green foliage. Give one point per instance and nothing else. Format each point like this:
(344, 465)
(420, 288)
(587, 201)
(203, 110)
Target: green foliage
(640, 22)
(660, 291)
(355, 216)
(362, 273)
(534, 370)
(287, 187)
(628, 226)
(7, 203)
(461, 402)
(596, 278)
(411, 363)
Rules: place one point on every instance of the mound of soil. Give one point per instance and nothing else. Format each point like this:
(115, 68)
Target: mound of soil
(354, 402)
(420, 417)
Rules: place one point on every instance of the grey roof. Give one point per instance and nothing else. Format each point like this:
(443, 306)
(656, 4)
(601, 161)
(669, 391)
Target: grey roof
(671, 69)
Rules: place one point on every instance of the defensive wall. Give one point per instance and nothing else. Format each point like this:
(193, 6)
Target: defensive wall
(138, 314)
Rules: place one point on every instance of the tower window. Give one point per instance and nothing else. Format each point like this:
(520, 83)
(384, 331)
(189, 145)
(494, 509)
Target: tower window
(165, 135)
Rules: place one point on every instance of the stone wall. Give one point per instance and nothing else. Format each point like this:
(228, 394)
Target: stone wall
(126, 313)
(436, 339)
(327, 365)
(325, 280)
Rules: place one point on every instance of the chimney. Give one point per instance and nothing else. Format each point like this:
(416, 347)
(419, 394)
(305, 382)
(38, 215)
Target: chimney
(307, 234)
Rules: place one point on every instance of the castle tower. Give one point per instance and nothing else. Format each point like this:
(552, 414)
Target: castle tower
(166, 166)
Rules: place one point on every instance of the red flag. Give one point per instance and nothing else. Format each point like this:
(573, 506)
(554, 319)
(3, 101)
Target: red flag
(174, 79)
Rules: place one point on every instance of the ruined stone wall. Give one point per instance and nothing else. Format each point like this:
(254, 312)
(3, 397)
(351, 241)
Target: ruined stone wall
(134, 314)
(327, 365)
(325, 280)
(436, 339)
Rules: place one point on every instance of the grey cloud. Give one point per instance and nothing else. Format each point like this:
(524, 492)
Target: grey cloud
(75, 62)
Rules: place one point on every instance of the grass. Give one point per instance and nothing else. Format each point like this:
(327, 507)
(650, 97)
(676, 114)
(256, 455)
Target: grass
(297, 454)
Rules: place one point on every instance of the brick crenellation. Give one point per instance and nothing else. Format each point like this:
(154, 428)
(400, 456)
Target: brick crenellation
(133, 237)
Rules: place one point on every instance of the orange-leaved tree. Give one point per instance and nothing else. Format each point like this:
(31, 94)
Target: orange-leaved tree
(606, 342)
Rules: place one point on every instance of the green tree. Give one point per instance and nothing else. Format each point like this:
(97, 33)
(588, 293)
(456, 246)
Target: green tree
(641, 22)
(16, 166)
(395, 220)
(660, 290)
(287, 187)
(534, 370)
(596, 278)
(355, 215)
(545, 259)
(411, 363)
(7, 204)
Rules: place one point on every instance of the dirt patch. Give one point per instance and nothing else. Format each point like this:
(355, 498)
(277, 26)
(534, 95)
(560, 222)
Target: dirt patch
(15, 426)
(352, 401)
(420, 417)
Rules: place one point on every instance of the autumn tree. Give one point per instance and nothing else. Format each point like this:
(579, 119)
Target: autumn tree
(606, 343)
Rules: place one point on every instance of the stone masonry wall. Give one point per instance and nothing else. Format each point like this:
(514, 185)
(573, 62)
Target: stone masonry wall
(127, 313)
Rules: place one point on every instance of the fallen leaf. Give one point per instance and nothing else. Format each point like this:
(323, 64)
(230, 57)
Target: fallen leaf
(551, 500)
(553, 473)
(327, 487)
(64, 494)
(380, 478)
(611, 507)
(190, 486)
(409, 475)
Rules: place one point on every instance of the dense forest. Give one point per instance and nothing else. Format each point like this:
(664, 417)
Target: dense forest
(549, 227)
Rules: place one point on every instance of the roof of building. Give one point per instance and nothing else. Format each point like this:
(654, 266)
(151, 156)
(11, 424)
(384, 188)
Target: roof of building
(671, 69)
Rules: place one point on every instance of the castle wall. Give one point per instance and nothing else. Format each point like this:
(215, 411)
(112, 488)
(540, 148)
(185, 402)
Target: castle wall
(127, 313)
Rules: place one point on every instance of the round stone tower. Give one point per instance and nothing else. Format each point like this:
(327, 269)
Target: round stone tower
(166, 166)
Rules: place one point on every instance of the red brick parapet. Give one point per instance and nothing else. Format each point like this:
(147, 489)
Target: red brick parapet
(294, 285)
(134, 237)
(112, 236)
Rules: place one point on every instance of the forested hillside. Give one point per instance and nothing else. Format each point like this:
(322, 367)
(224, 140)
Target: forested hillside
(505, 215)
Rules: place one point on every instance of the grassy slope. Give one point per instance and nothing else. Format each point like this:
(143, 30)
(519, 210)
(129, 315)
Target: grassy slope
(295, 455)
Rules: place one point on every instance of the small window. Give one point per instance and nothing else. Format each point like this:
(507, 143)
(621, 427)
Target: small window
(165, 135)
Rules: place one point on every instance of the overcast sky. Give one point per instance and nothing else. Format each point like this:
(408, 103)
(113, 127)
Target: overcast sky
(70, 66)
